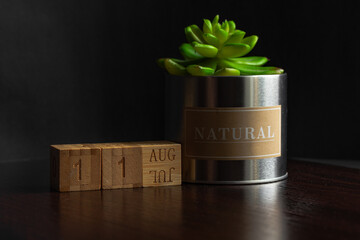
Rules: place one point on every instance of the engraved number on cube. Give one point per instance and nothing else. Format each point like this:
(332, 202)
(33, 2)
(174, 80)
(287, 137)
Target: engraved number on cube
(122, 161)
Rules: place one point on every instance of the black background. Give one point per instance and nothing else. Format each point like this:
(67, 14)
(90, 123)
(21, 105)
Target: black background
(85, 71)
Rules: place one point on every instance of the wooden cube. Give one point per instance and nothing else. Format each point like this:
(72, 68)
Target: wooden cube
(121, 165)
(161, 163)
(75, 167)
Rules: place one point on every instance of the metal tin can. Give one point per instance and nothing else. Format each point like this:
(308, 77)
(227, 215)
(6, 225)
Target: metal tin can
(232, 129)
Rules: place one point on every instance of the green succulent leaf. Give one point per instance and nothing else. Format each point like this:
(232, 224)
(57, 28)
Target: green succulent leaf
(232, 26)
(161, 62)
(227, 72)
(225, 26)
(174, 68)
(215, 21)
(221, 34)
(251, 41)
(216, 27)
(194, 33)
(188, 51)
(186, 62)
(233, 50)
(211, 39)
(236, 37)
(252, 70)
(207, 27)
(205, 50)
(197, 70)
(198, 32)
(253, 60)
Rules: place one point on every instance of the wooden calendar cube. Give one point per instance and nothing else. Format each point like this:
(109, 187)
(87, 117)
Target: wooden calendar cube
(121, 165)
(161, 163)
(75, 167)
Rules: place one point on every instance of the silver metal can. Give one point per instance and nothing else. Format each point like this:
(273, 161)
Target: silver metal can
(232, 129)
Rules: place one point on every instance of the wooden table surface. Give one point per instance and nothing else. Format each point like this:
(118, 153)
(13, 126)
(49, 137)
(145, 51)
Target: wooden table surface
(317, 201)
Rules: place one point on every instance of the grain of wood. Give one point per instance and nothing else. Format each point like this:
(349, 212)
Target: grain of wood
(161, 164)
(75, 167)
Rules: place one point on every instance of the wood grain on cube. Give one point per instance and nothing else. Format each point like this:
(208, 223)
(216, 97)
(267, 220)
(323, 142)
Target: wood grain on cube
(75, 167)
(161, 163)
(121, 165)
(78, 167)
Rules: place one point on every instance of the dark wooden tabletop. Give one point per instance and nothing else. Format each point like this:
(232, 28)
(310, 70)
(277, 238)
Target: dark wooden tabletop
(317, 201)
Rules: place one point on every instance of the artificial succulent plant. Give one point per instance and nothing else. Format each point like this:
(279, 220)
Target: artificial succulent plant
(217, 49)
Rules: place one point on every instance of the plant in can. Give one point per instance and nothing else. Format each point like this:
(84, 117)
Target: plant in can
(218, 49)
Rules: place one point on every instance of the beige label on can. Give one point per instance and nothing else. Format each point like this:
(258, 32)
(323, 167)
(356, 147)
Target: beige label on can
(233, 133)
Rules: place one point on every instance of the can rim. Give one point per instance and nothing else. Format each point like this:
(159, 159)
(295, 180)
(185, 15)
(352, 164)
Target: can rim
(245, 182)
